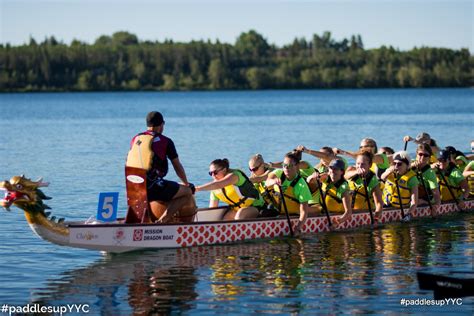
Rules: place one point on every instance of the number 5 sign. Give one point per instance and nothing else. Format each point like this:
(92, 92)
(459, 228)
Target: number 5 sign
(107, 208)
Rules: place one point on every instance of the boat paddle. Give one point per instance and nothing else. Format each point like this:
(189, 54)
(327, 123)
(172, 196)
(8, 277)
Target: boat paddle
(368, 200)
(449, 189)
(419, 175)
(404, 218)
(323, 202)
(282, 197)
(405, 147)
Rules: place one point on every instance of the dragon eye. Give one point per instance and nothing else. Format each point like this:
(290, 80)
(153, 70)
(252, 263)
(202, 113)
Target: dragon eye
(19, 186)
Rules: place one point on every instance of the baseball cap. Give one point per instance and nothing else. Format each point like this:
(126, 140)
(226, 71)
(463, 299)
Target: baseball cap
(444, 155)
(402, 156)
(337, 163)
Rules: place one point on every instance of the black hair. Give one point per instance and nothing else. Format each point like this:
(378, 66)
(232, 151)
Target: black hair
(221, 163)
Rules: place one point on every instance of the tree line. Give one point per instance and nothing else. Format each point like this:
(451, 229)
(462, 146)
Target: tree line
(122, 62)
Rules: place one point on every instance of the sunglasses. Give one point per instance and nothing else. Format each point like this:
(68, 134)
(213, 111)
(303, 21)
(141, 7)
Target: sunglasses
(365, 146)
(442, 160)
(424, 155)
(214, 172)
(255, 169)
(398, 164)
(287, 165)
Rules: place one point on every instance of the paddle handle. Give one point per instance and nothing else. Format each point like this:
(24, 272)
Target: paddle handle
(399, 197)
(405, 147)
(368, 200)
(323, 203)
(282, 197)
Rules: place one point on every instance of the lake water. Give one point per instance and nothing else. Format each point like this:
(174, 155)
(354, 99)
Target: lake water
(78, 142)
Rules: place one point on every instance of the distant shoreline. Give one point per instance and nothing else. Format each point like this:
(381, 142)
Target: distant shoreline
(120, 63)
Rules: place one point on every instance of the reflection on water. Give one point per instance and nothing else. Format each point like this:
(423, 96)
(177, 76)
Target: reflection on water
(370, 269)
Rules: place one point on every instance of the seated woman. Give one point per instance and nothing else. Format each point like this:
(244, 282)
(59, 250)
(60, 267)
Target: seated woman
(359, 179)
(325, 154)
(295, 190)
(234, 188)
(425, 138)
(304, 167)
(259, 172)
(335, 190)
(452, 184)
(380, 162)
(421, 166)
(401, 184)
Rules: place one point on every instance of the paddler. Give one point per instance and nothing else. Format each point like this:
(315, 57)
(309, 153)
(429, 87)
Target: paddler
(424, 138)
(424, 172)
(380, 161)
(362, 179)
(304, 168)
(259, 171)
(469, 173)
(401, 184)
(295, 190)
(453, 185)
(233, 187)
(151, 151)
(335, 190)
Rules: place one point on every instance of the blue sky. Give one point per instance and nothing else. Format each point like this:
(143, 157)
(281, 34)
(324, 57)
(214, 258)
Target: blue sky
(403, 24)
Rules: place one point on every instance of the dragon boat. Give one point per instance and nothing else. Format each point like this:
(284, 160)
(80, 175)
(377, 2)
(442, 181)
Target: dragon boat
(135, 232)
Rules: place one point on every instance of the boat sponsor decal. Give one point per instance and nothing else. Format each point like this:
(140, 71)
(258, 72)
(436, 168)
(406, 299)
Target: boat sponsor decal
(135, 179)
(151, 234)
(88, 235)
(137, 234)
(119, 236)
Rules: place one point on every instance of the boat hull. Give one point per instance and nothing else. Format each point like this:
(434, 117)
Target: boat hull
(118, 237)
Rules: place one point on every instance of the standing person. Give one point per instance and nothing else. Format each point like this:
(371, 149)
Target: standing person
(234, 188)
(452, 183)
(360, 179)
(424, 173)
(401, 184)
(296, 192)
(151, 150)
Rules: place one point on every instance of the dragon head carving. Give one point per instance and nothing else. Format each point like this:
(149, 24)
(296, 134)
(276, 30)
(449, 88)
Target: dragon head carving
(24, 194)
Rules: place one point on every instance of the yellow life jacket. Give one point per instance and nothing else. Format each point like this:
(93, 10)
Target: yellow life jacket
(292, 203)
(333, 202)
(141, 154)
(470, 182)
(390, 193)
(238, 196)
(268, 194)
(443, 188)
(359, 195)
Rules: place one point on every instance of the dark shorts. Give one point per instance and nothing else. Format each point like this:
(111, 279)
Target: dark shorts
(161, 190)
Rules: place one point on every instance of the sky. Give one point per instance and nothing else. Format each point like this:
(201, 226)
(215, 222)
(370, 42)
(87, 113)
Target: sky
(403, 24)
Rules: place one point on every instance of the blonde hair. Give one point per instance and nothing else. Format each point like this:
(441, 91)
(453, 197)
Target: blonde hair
(256, 159)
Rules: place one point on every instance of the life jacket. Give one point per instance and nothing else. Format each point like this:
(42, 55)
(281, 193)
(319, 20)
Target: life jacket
(359, 195)
(390, 195)
(333, 202)
(292, 203)
(238, 196)
(443, 186)
(141, 153)
(470, 182)
(422, 193)
(268, 194)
